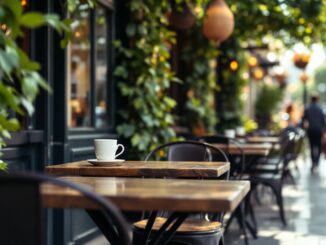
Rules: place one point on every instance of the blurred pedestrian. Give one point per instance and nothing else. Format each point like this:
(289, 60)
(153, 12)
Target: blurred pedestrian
(314, 123)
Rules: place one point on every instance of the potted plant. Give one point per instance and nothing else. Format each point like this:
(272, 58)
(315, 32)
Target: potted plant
(266, 103)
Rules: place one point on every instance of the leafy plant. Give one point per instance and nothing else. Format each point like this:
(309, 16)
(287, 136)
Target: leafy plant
(320, 82)
(290, 22)
(145, 76)
(266, 103)
(231, 84)
(249, 124)
(20, 81)
(200, 82)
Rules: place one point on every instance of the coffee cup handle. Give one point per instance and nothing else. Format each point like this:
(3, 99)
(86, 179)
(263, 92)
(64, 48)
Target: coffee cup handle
(122, 150)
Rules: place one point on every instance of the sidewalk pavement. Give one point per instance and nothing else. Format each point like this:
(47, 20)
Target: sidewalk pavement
(305, 208)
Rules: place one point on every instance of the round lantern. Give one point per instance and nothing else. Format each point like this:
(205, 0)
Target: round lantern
(234, 65)
(218, 22)
(258, 73)
(304, 77)
(301, 60)
(181, 20)
(252, 61)
(280, 75)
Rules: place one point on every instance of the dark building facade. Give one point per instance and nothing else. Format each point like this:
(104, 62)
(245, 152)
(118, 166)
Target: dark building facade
(81, 107)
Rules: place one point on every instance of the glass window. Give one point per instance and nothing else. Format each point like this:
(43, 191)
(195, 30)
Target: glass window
(101, 73)
(79, 74)
(88, 68)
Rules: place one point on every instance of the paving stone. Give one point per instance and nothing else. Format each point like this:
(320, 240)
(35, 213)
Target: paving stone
(305, 205)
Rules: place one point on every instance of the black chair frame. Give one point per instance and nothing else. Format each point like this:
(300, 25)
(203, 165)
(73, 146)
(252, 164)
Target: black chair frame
(108, 217)
(209, 150)
(174, 220)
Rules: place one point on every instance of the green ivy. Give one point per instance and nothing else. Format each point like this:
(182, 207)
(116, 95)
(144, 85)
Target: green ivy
(231, 84)
(200, 55)
(20, 80)
(145, 76)
(267, 103)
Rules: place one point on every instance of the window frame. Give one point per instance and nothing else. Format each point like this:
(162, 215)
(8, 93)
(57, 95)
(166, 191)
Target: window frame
(110, 85)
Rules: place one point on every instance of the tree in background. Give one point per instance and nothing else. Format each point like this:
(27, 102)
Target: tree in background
(320, 83)
(288, 21)
(267, 103)
(145, 73)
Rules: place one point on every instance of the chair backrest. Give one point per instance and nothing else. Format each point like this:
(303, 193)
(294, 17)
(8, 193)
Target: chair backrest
(237, 160)
(21, 220)
(286, 147)
(187, 151)
(300, 141)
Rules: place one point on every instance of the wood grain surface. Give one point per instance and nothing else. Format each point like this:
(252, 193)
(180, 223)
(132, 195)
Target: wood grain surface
(261, 139)
(136, 194)
(248, 148)
(143, 169)
(189, 225)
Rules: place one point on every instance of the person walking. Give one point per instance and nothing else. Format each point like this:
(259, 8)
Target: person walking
(314, 123)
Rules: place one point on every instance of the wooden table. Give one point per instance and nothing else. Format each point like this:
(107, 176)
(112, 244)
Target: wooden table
(133, 194)
(143, 169)
(263, 139)
(182, 197)
(248, 148)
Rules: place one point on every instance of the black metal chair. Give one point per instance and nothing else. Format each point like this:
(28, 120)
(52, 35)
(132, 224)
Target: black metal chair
(237, 169)
(195, 231)
(237, 160)
(21, 212)
(269, 171)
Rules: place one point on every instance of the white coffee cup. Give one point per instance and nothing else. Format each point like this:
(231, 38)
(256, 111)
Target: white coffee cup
(229, 133)
(240, 131)
(105, 149)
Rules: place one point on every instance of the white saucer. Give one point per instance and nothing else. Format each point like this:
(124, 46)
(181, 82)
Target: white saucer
(113, 162)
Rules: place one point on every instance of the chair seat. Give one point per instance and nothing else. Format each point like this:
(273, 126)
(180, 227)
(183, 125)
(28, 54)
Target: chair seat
(257, 177)
(269, 168)
(190, 225)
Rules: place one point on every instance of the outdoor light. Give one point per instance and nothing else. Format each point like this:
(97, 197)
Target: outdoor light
(304, 77)
(258, 73)
(181, 20)
(234, 65)
(23, 3)
(252, 61)
(218, 22)
(301, 60)
(280, 75)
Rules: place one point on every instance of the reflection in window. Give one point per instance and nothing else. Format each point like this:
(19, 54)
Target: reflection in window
(79, 74)
(101, 119)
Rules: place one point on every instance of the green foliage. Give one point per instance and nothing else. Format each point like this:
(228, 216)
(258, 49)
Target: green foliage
(200, 83)
(291, 21)
(73, 4)
(249, 124)
(267, 101)
(20, 81)
(145, 76)
(231, 84)
(320, 82)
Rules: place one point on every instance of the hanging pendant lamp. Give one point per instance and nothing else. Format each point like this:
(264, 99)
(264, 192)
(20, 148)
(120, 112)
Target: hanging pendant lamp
(181, 20)
(218, 22)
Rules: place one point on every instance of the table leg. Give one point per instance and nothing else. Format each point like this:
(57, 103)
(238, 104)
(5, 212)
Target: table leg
(164, 235)
(105, 226)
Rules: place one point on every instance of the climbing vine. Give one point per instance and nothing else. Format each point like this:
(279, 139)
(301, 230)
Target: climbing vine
(231, 84)
(20, 80)
(145, 76)
(200, 84)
